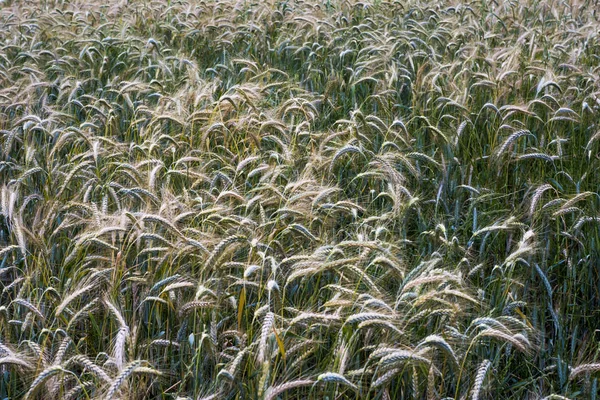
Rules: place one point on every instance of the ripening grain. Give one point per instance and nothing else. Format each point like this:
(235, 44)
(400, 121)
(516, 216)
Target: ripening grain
(299, 199)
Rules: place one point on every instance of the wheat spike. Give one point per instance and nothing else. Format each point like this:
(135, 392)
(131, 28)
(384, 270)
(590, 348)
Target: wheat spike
(275, 391)
(479, 378)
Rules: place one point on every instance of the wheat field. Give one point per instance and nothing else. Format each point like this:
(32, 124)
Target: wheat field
(299, 199)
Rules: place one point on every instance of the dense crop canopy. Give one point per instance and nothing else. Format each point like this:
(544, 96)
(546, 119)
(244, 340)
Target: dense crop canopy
(299, 199)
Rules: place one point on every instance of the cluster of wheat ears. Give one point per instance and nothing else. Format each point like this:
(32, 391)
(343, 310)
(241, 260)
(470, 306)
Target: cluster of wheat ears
(299, 199)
